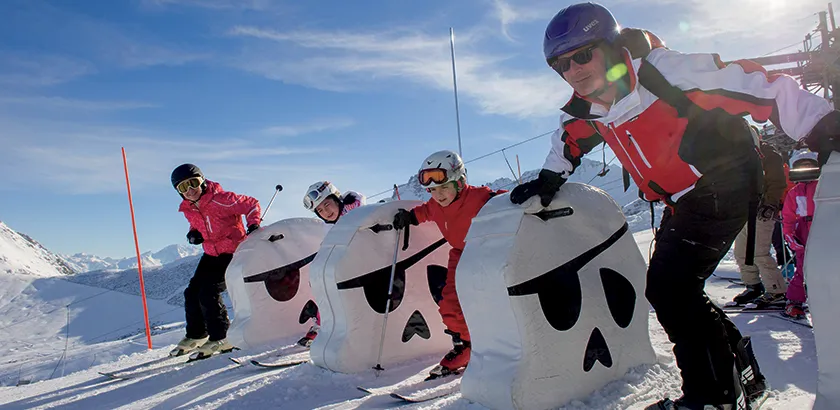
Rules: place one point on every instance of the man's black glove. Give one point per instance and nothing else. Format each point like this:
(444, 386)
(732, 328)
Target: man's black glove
(768, 212)
(825, 136)
(252, 228)
(546, 185)
(404, 218)
(194, 237)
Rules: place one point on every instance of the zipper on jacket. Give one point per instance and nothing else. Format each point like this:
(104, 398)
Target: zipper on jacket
(615, 134)
(638, 149)
(209, 227)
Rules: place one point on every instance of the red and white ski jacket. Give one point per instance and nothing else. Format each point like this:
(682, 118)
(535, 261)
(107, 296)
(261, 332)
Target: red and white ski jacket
(646, 134)
(218, 216)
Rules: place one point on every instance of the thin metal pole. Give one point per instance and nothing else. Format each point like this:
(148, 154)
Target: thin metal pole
(455, 87)
(378, 368)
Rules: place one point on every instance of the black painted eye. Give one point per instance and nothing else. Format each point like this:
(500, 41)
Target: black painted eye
(282, 283)
(559, 289)
(309, 311)
(621, 296)
(436, 275)
(375, 284)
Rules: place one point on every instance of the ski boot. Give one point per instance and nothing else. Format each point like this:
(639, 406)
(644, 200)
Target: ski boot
(681, 404)
(769, 300)
(307, 340)
(794, 310)
(751, 293)
(753, 383)
(456, 359)
(187, 345)
(212, 347)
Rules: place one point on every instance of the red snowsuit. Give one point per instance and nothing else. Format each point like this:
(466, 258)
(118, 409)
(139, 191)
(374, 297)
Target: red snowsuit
(797, 214)
(454, 222)
(218, 216)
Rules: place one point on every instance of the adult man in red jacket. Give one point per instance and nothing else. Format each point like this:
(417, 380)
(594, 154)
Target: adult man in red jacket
(674, 121)
(215, 218)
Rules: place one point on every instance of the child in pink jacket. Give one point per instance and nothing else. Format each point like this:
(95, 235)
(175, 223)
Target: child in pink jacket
(797, 213)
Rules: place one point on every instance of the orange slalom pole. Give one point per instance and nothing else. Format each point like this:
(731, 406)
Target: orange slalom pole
(137, 248)
(397, 190)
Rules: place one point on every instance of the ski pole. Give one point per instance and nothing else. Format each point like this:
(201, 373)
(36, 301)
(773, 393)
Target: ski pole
(378, 368)
(277, 189)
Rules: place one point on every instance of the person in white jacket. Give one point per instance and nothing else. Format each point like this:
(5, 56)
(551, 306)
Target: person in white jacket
(674, 121)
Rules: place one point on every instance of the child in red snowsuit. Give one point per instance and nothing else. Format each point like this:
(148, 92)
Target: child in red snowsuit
(453, 205)
(797, 213)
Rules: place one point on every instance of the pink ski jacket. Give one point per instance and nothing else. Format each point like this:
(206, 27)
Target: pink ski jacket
(218, 216)
(797, 213)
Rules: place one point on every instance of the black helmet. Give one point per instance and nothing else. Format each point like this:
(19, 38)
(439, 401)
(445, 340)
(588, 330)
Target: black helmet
(185, 171)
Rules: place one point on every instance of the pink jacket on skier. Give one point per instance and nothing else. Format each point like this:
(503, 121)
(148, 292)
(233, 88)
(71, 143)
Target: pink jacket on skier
(218, 216)
(796, 224)
(797, 213)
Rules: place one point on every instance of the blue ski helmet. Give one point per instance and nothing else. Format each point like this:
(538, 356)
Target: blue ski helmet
(576, 26)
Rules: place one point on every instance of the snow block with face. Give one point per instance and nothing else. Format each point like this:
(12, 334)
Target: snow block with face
(821, 262)
(268, 282)
(350, 278)
(554, 300)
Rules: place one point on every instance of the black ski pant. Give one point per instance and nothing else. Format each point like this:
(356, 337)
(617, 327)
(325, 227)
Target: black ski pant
(782, 253)
(689, 245)
(206, 312)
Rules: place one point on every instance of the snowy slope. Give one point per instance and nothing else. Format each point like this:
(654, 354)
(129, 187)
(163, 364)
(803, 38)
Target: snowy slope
(785, 351)
(21, 254)
(587, 172)
(84, 262)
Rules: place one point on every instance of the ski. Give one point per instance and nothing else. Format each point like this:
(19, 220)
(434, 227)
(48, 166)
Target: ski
(430, 390)
(800, 322)
(280, 364)
(149, 368)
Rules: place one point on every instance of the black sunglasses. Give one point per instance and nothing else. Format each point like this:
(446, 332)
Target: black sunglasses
(563, 64)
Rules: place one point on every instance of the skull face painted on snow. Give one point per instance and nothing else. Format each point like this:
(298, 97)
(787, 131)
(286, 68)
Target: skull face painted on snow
(350, 280)
(557, 295)
(268, 281)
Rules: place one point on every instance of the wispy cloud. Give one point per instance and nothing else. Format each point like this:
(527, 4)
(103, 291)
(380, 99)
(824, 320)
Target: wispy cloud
(326, 124)
(358, 59)
(509, 13)
(41, 70)
(84, 159)
(43, 102)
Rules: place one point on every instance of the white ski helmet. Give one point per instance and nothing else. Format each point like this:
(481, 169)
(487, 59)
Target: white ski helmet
(317, 193)
(803, 155)
(441, 167)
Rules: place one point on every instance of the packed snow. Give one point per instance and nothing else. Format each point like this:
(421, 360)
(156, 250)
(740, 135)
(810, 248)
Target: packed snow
(47, 364)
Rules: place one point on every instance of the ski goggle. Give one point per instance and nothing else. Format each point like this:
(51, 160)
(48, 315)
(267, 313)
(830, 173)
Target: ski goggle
(563, 64)
(428, 176)
(312, 196)
(186, 184)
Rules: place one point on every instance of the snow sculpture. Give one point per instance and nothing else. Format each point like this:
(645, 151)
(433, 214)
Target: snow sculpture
(554, 300)
(350, 278)
(821, 262)
(268, 282)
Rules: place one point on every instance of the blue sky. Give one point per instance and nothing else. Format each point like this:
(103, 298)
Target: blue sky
(261, 92)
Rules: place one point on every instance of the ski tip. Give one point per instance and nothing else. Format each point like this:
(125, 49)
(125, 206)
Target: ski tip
(364, 389)
(235, 360)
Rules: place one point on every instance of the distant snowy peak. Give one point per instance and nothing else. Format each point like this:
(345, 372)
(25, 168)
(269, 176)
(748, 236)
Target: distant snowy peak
(84, 262)
(21, 254)
(587, 172)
